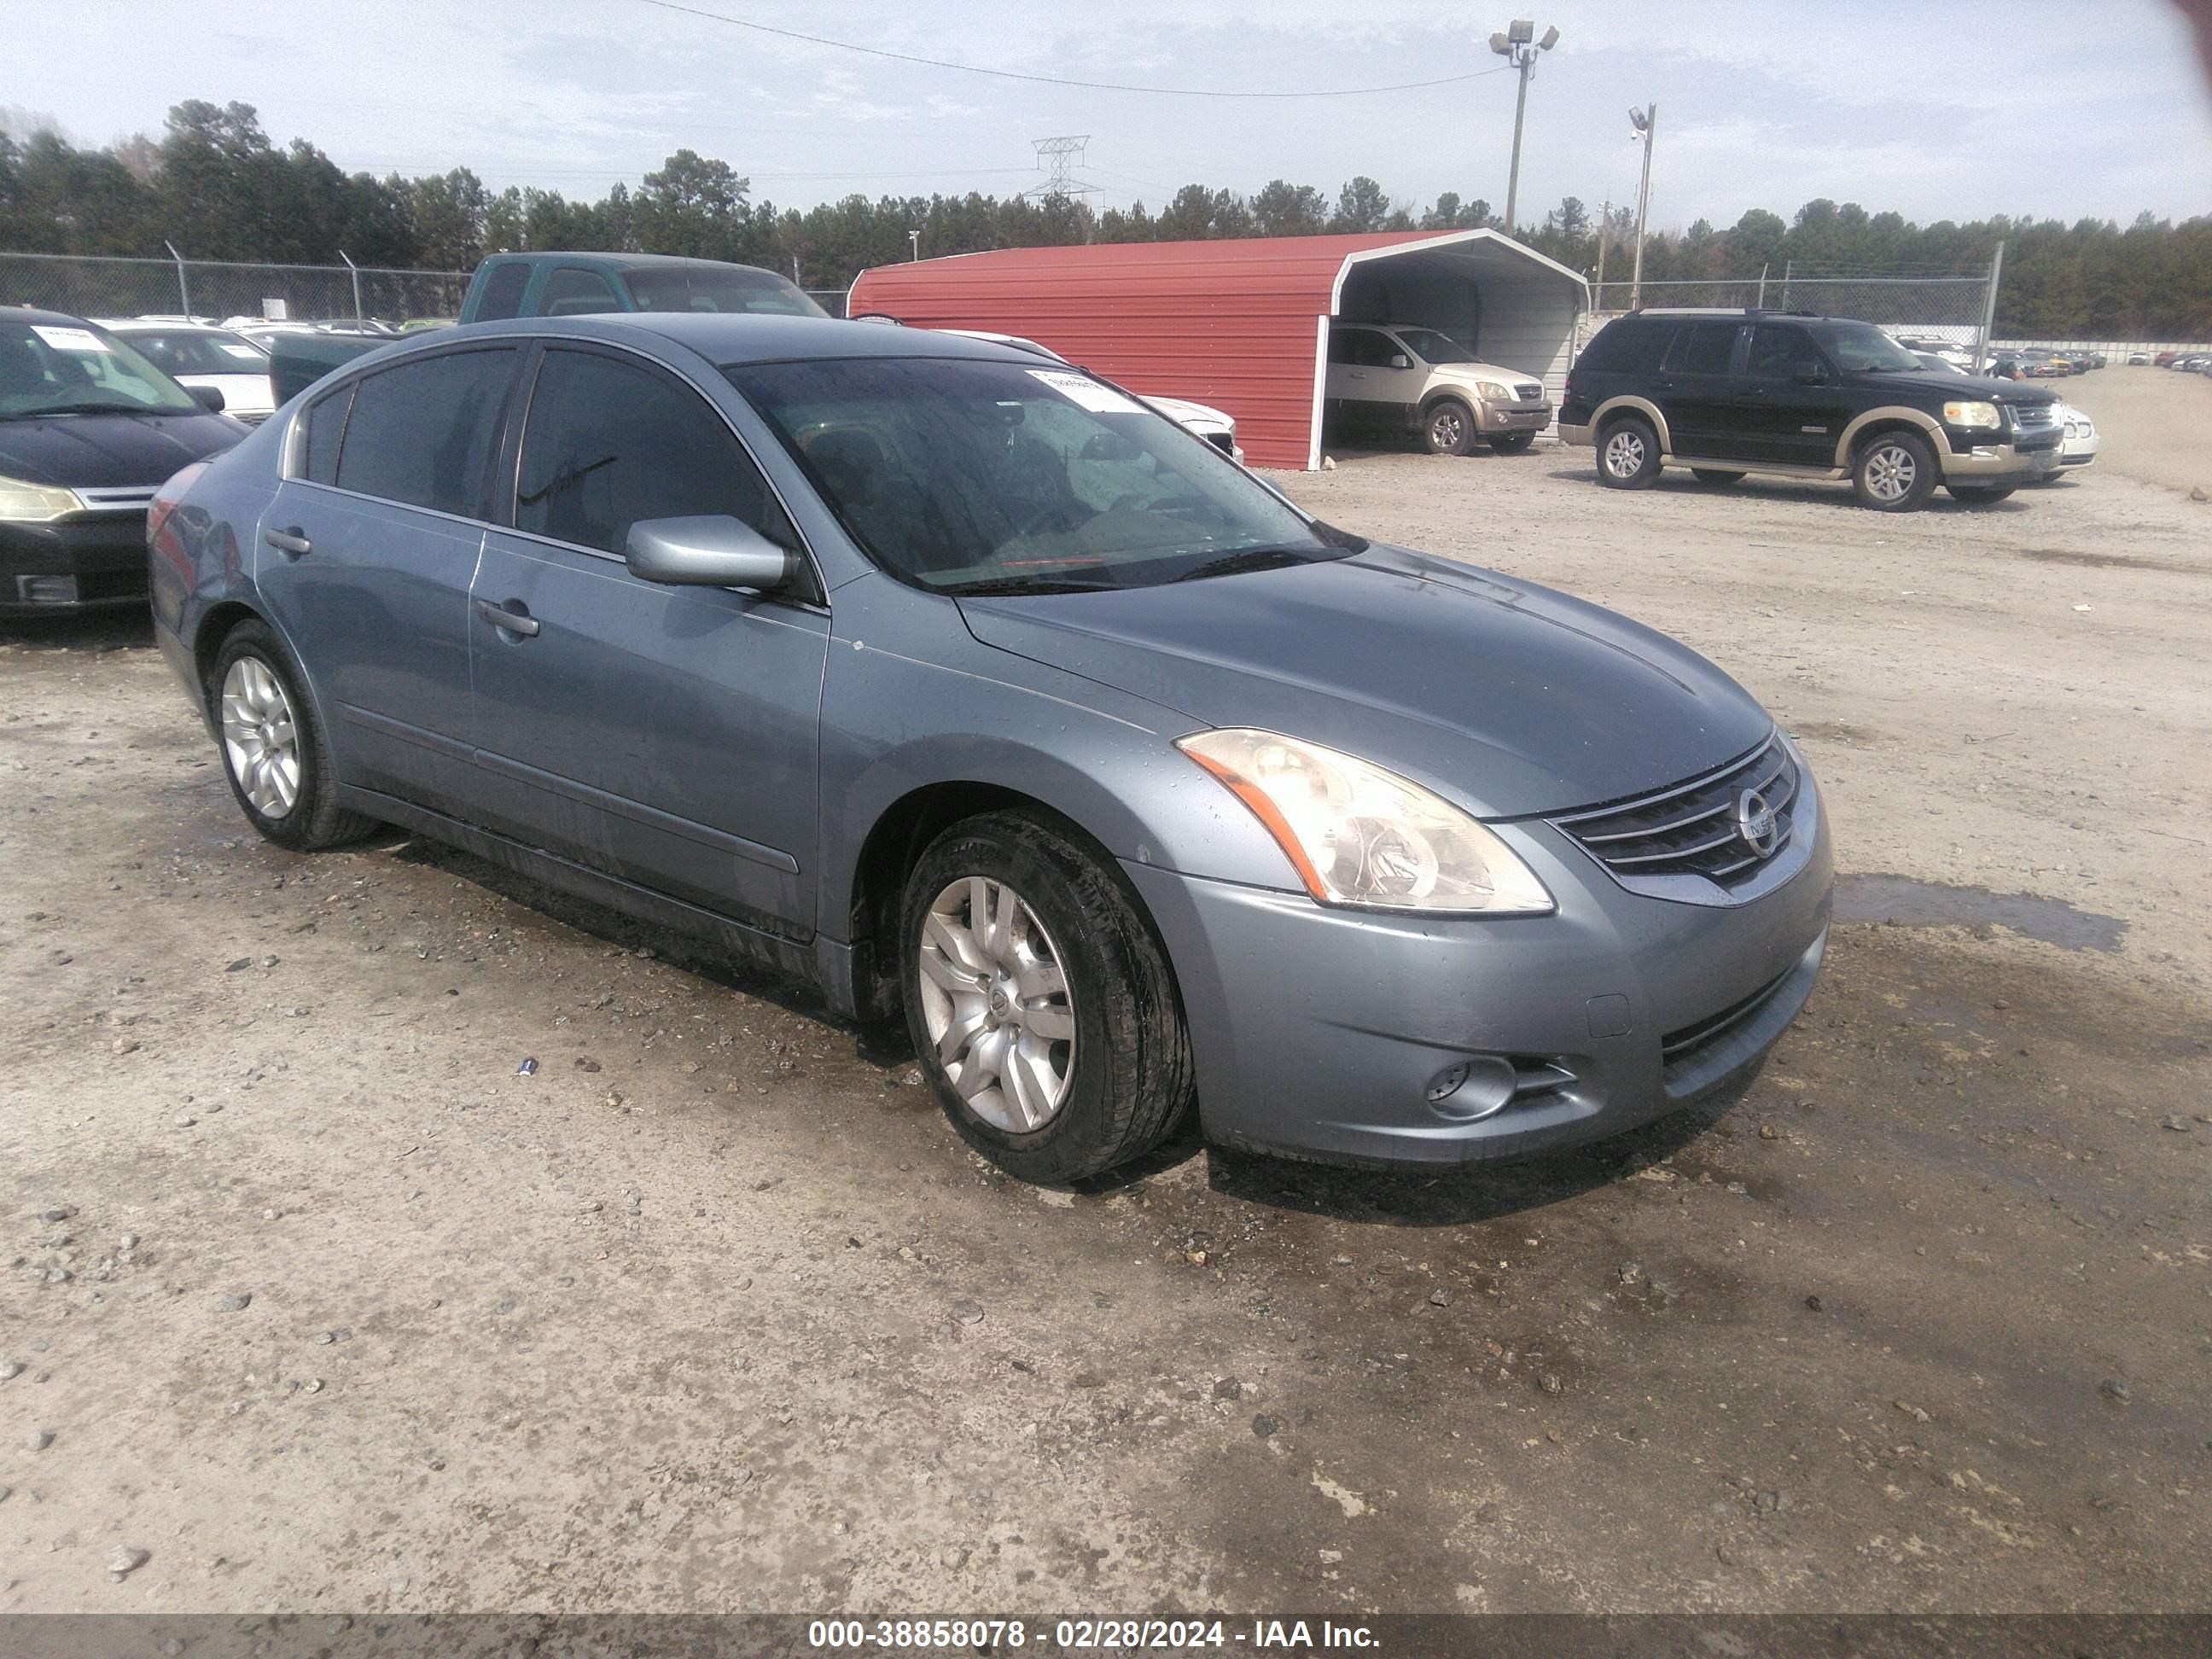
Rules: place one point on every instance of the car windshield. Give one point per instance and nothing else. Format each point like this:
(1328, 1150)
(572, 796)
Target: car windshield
(969, 477)
(1929, 360)
(198, 351)
(733, 289)
(1860, 347)
(64, 368)
(1432, 347)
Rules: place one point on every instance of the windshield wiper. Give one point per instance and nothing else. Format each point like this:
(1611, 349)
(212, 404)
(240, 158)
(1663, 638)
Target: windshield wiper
(86, 409)
(1252, 558)
(1016, 585)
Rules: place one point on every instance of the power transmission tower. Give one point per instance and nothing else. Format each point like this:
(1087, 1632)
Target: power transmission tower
(1059, 158)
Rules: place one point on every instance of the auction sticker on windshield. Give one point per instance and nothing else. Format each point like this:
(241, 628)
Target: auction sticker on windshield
(244, 353)
(68, 339)
(1098, 400)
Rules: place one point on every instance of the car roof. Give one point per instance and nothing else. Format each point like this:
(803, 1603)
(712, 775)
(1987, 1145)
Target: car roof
(748, 336)
(152, 324)
(1740, 311)
(605, 261)
(38, 314)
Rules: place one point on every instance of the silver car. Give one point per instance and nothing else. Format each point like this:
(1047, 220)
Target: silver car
(954, 681)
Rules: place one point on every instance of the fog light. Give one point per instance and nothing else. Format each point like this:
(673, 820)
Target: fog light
(46, 590)
(1473, 1088)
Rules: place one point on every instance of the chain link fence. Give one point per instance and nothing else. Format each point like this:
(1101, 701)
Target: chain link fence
(86, 286)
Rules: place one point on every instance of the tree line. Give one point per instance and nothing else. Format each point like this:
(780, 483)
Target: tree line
(216, 185)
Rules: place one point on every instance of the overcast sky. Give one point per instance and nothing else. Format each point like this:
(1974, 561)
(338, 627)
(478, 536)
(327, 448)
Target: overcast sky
(1937, 108)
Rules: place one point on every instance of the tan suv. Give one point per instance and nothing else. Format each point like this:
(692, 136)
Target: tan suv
(1398, 378)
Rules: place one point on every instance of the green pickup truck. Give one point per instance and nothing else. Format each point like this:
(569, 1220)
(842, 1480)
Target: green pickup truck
(559, 285)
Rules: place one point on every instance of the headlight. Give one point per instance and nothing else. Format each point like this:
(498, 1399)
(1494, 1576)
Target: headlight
(1973, 415)
(1358, 835)
(31, 503)
(1492, 392)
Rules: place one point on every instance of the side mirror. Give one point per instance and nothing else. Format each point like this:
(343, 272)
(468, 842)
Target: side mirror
(1400, 359)
(1808, 373)
(709, 551)
(208, 398)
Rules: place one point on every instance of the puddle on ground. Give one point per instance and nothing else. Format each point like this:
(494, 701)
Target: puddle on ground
(1902, 903)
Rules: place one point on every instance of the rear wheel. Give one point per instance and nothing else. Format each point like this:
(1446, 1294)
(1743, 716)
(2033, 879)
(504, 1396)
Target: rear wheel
(1895, 472)
(1628, 453)
(1715, 475)
(1979, 495)
(1512, 443)
(273, 748)
(1040, 1000)
(1448, 427)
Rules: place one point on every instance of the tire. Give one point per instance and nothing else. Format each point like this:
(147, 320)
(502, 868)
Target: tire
(1715, 475)
(1980, 495)
(1512, 443)
(1060, 1110)
(1895, 472)
(1447, 427)
(1628, 453)
(273, 749)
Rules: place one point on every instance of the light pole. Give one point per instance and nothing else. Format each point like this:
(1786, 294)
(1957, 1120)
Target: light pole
(914, 241)
(1519, 46)
(1646, 123)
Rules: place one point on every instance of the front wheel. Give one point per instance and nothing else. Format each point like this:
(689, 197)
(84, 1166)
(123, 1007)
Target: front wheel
(1628, 453)
(1448, 427)
(1895, 472)
(1979, 495)
(1512, 443)
(1040, 1000)
(273, 749)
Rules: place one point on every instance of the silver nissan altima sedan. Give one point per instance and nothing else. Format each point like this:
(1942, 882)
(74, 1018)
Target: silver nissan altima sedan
(956, 682)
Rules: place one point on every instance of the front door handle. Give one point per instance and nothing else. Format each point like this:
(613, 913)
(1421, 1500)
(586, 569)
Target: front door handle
(293, 541)
(512, 620)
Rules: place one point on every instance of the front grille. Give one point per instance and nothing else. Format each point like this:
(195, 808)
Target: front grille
(1528, 392)
(1694, 828)
(2029, 416)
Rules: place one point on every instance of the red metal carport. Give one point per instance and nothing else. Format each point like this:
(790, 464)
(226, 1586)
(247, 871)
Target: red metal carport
(1243, 324)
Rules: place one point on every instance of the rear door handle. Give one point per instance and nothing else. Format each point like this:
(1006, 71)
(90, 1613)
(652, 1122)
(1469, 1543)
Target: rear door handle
(512, 620)
(293, 541)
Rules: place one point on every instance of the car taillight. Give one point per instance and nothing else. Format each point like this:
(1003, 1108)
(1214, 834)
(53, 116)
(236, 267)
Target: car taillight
(167, 498)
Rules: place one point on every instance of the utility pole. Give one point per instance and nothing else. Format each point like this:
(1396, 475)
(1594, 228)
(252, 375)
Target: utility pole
(1646, 123)
(1604, 224)
(1518, 46)
(1989, 310)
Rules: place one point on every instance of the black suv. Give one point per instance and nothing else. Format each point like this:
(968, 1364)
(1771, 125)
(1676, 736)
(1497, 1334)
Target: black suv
(1727, 392)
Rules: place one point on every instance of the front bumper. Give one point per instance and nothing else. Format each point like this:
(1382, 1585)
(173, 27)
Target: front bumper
(1512, 418)
(2015, 459)
(1321, 1032)
(72, 564)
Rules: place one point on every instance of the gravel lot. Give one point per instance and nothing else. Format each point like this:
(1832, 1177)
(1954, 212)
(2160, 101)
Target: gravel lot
(325, 1307)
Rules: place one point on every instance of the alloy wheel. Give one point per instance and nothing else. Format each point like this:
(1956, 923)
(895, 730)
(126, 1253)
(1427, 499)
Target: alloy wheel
(996, 1004)
(1891, 473)
(260, 737)
(1447, 431)
(1624, 454)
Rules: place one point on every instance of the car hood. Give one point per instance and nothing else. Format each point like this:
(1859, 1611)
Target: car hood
(1508, 697)
(1183, 412)
(111, 451)
(1468, 374)
(1955, 388)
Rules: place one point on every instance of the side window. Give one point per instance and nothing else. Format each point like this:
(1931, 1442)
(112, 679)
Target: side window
(326, 420)
(1627, 347)
(1343, 346)
(610, 443)
(424, 433)
(1778, 350)
(572, 293)
(502, 295)
(1704, 349)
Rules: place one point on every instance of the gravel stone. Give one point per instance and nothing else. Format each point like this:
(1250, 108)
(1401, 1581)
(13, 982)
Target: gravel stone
(968, 1311)
(2113, 1388)
(10, 1370)
(123, 1561)
(1263, 1425)
(239, 1301)
(38, 1440)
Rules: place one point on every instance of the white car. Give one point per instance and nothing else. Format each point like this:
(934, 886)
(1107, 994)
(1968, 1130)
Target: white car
(2079, 448)
(200, 355)
(1200, 419)
(1400, 377)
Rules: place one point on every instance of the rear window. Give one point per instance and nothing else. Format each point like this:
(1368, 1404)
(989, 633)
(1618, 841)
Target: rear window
(1627, 347)
(712, 288)
(422, 433)
(502, 295)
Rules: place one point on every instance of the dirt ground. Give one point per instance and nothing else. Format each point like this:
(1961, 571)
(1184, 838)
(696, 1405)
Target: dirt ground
(2156, 425)
(715, 1313)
